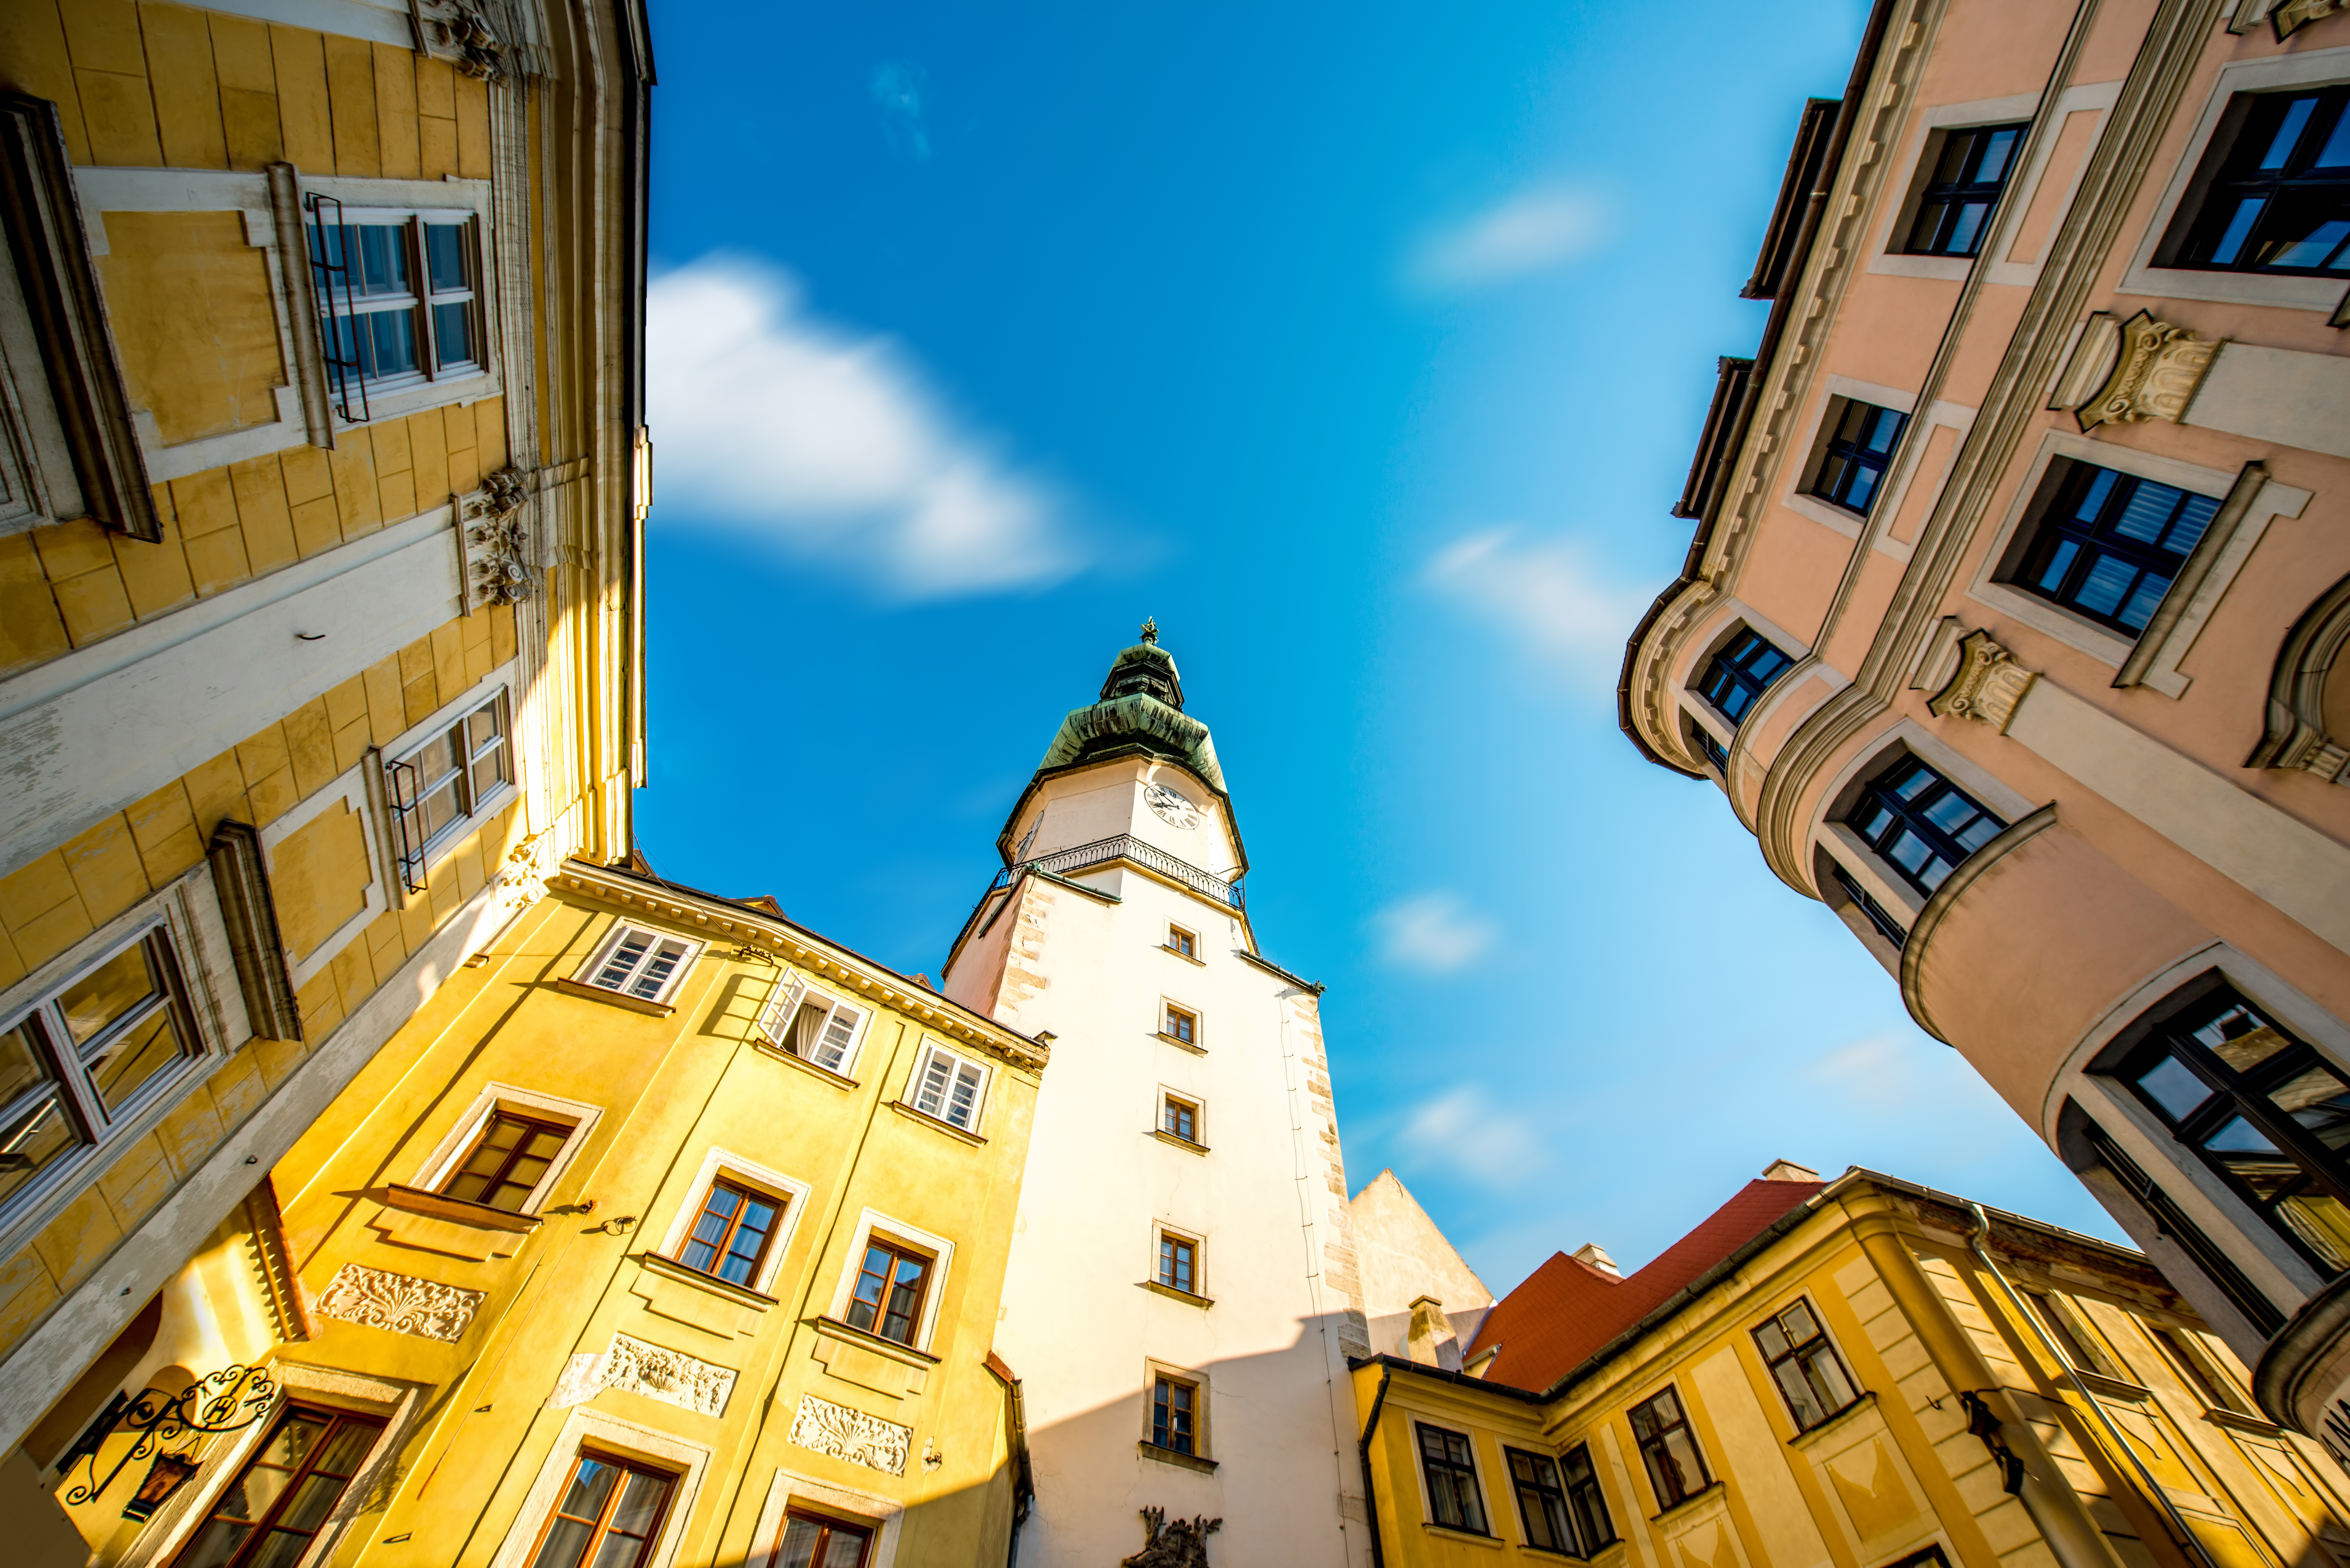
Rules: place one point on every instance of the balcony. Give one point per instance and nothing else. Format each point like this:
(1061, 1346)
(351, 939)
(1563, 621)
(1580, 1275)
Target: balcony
(1126, 847)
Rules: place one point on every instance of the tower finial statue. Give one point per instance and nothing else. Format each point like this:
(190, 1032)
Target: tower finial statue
(1150, 629)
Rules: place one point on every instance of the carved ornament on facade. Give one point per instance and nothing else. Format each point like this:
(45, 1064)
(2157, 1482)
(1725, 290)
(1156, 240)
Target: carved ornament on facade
(824, 1427)
(1183, 1544)
(2296, 13)
(2313, 752)
(1988, 687)
(636, 1367)
(499, 546)
(401, 1303)
(522, 880)
(459, 34)
(2129, 372)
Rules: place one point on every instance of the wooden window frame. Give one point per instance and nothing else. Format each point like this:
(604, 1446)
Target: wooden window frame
(727, 1182)
(898, 1252)
(1191, 1110)
(1176, 1254)
(1587, 1500)
(826, 1524)
(590, 973)
(1655, 1446)
(457, 1171)
(601, 1527)
(1182, 944)
(1472, 1491)
(336, 1422)
(1802, 1356)
(1161, 1414)
(1171, 1012)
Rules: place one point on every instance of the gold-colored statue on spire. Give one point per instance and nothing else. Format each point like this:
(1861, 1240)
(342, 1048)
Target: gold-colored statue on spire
(1150, 629)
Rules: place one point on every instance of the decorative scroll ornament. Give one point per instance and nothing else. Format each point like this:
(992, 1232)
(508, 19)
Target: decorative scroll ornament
(224, 1401)
(2128, 373)
(400, 1304)
(447, 30)
(635, 1366)
(1183, 1544)
(522, 880)
(501, 567)
(2295, 13)
(1989, 686)
(825, 1427)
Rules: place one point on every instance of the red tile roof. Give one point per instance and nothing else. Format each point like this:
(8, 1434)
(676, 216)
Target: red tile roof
(1566, 1309)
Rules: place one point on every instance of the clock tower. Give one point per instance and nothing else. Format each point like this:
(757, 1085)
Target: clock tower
(1181, 1295)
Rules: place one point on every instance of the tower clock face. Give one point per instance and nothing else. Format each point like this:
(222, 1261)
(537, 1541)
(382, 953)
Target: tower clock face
(1173, 808)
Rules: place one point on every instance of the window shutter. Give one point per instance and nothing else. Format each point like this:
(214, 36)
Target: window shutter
(932, 1098)
(833, 1048)
(774, 1018)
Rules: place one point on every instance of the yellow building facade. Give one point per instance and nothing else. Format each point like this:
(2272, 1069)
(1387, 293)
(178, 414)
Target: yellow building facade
(666, 1233)
(1871, 1378)
(321, 484)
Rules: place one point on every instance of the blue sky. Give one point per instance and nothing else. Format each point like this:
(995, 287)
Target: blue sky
(1365, 346)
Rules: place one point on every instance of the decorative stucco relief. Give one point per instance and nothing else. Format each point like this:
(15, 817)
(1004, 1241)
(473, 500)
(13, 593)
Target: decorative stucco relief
(825, 1427)
(1989, 686)
(2128, 373)
(400, 1303)
(635, 1366)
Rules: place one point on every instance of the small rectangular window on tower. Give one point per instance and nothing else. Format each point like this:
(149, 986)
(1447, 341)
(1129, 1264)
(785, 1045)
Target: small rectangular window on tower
(1180, 1118)
(1180, 1025)
(1178, 1264)
(1181, 943)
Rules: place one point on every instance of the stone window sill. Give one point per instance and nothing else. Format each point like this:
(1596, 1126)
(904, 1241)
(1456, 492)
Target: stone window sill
(416, 1201)
(1185, 1144)
(1804, 1439)
(671, 1269)
(937, 1123)
(1174, 1457)
(1708, 1492)
(1192, 1047)
(837, 1080)
(1188, 1298)
(1180, 953)
(875, 1343)
(615, 998)
(2233, 1422)
(2114, 1388)
(1467, 1537)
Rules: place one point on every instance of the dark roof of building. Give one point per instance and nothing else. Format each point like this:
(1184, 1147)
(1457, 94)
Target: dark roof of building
(1567, 1309)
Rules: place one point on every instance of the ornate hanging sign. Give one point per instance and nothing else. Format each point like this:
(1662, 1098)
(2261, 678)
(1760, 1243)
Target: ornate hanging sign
(225, 1401)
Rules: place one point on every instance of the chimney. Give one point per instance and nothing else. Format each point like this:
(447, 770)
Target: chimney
(1593, 1254)
(1788, 1170)
(1430, 1339)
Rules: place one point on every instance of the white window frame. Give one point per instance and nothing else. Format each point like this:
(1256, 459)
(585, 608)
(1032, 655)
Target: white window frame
(724, 1165)
(419, 301)
(886, 1515)
(933, 1050)
(515, 1100)
(585, 1428)
(783, 1005)
(2275, 73)
(942, 1252)
(189, 912)
(348, 790)
(104, 189)
(497, 687)
(607, 949)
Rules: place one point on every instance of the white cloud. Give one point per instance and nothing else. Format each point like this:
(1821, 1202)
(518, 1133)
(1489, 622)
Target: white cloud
(1547, 593)
(1435, 933)
(1531, 231)
(1463, 1131)
(832, 444)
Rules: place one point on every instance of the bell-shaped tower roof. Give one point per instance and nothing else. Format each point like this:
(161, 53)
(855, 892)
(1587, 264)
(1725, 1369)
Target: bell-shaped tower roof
(1140, 710)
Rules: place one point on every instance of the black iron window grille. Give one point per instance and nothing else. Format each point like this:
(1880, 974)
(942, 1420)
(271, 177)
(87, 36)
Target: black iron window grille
(398, 299)
(1669, 1449)
(444, 784)
(1920, 823)
(1954, 211)
(1806, 1366)
(2108, 546)
(2261, 1108)
(1859, 447)
(1875, 913)
(337, 295)
(2171, 1220)
(1740, 673)
(2276, 188)
(1451, 1473)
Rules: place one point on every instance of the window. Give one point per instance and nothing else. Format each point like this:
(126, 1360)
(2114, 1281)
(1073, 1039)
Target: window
(813, 1026)
(610, 1512)
(2108, 546)
(84, 1057)
(1454, 1500)
(1174, 1414)
(641, 963)
(730, 1233)
(949, 1087)
(1853, 459)
(1921, 822)
(446, 783)
(1181, 1024)
(2060, 1328)
(1669, 1449)
(1180, 1118)
(398, 298)
(506, 1162)
(1804, 1366)
(1956, 205)
(2275, 188)
(1713, 751)
(810, 1540)
(1542, 1500)
(891, 1284)
(275, 1508)
(2261, 1108)
(1875, 913)
(1181, 941)
(1586, 1501)
(1178, 1259)
(1740, 673)
(2203, 1379)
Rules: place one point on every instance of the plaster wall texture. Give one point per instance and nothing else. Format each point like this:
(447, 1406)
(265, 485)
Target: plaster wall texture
(1265, 1201)
(1400, 1256)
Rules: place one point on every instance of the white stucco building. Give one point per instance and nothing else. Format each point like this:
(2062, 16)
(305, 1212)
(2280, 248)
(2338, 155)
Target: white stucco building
(1181, 1297)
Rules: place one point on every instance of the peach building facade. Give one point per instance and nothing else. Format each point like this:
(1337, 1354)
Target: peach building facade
(2013, 621)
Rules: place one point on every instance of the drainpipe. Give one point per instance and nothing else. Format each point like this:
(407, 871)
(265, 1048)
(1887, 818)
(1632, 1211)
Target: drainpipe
(1363, 1450)
(2063, 1521)
(2114, 1434)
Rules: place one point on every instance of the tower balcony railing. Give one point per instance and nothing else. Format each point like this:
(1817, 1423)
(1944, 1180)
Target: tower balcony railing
(1126, 847)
